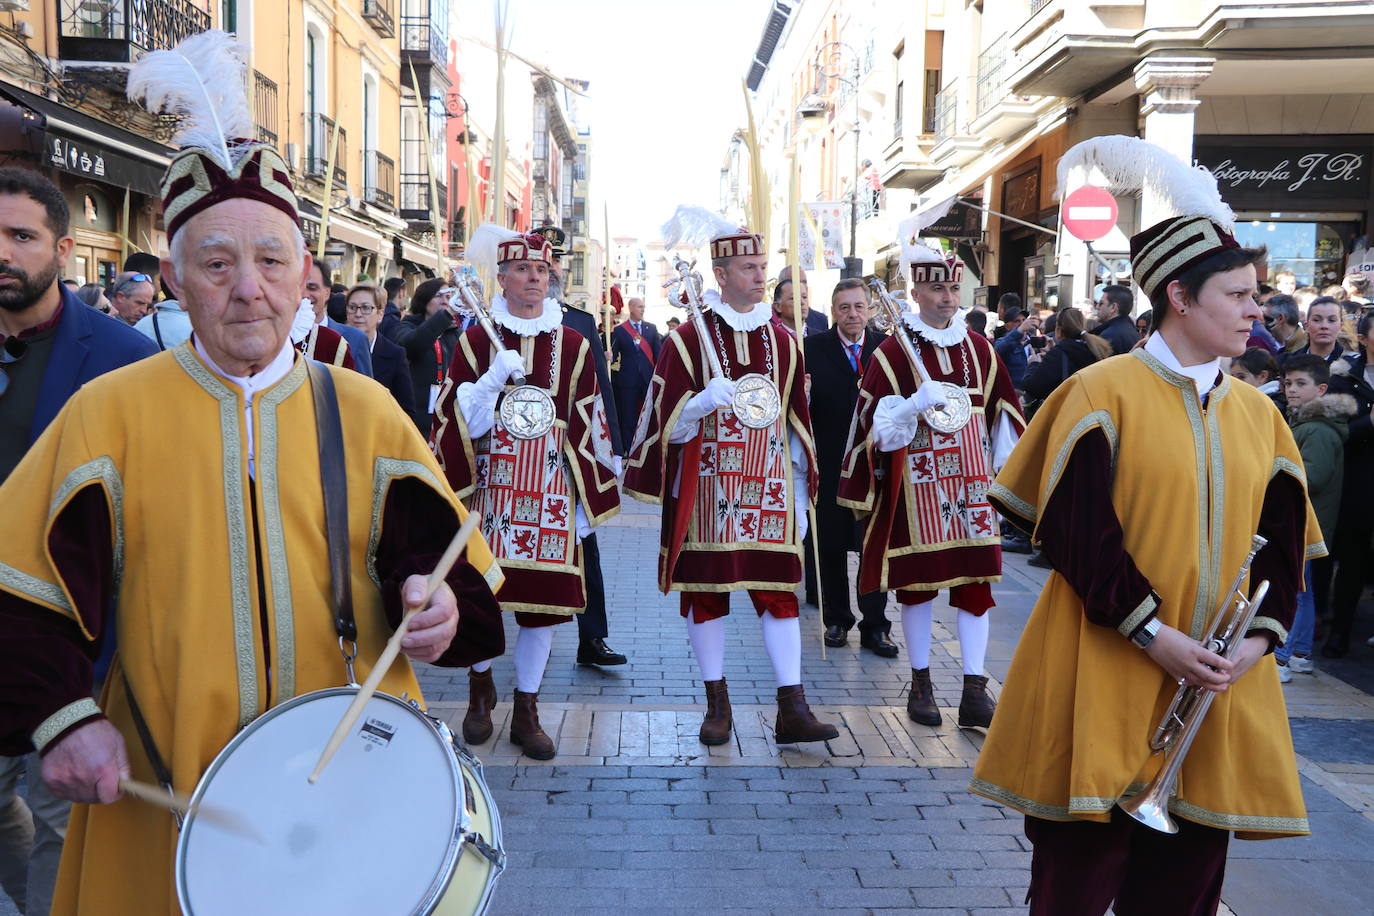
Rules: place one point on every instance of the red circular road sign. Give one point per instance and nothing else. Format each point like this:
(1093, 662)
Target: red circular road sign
(1089, 213)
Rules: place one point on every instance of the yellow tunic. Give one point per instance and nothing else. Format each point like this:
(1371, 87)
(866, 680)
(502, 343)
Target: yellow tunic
(1081, 701)
(165, 441)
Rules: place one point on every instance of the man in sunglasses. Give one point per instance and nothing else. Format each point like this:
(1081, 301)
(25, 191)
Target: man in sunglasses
(132, 296)
(50, 345)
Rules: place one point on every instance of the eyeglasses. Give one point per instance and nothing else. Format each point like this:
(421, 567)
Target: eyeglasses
(361, 309)
(136, 278)
(11, 351)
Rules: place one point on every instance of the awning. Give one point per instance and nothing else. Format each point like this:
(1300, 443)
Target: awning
(355, 234)
(419, 254)
(79, 144)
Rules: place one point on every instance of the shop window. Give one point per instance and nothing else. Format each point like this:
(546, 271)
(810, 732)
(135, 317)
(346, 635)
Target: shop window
(1314, 250)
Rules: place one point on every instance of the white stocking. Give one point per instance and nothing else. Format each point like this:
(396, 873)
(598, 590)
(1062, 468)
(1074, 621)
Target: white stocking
(973, 641)
(708, 645)
(483, 665)
(782, 640)
(916, 621)
(532, 645)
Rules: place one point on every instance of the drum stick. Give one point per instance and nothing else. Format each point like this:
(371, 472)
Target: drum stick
(175, 801)
(393, 645)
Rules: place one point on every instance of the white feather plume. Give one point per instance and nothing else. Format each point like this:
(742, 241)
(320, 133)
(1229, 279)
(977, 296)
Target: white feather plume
(202, 81)
(486, 239)
(692, 227)
(1133, 164)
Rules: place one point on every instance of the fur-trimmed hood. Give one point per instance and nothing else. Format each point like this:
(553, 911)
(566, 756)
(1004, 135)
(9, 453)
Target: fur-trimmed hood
(1333, 409)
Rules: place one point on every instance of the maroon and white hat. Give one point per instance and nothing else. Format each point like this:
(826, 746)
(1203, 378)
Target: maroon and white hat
(737, 244)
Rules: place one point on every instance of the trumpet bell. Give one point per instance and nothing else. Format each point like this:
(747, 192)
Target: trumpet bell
(1151, 810)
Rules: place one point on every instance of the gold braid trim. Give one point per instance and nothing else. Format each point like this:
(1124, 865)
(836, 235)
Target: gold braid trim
(62, 720)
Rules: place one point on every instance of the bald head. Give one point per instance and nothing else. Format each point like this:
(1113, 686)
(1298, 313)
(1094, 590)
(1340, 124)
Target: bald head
(636, 307)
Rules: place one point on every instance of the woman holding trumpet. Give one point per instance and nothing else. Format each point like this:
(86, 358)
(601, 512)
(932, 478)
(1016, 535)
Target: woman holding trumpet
(1145, 479)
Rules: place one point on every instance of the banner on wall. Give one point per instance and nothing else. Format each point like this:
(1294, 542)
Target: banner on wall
(828, 218)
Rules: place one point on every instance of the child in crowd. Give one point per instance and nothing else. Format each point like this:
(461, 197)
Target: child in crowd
(1319, 423)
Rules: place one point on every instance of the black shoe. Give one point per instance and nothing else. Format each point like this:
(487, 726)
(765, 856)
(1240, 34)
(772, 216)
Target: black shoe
(1038, 560)
(1016, 543)
(1337, 645)
(836, 636)
(596, 652)
(880, 644)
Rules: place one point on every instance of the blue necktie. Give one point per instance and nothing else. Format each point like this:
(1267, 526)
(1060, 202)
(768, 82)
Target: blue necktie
(855, 350)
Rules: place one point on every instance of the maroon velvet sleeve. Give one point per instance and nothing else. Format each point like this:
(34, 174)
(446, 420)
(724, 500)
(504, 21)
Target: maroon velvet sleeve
(416, 528)
(46, 662)
(1283, 523)
(1081, 536)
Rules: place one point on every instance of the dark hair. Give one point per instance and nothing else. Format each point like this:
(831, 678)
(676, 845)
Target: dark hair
(1256, 360)
(1325, 300)
(978, 320)
(337, 288)
(777, 290)
(141, 262)
(1051, 323)
(1265, 289)
(1314, 366)
(419, 300)
(1362, 327)
(1149, 317)
(1008, 301)
(14, 180)
(1120, 297)
(1013, 312)
(325, 275)
(846, 284)
(1194, 278)
(393, 285)
(1286, 306)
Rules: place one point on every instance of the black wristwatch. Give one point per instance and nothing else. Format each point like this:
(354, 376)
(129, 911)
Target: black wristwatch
(1146, 634)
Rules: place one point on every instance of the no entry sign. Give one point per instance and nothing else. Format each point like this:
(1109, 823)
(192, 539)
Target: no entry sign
(1089, 213)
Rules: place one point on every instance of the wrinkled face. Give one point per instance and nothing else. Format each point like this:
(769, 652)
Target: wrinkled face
(240, 276)
(783, 306)
(1219, 322)
(850, 313)
(362, 312)
(1275, 320)
(937, 302)
(1323, 324)
(131, 302)
(31, 257)
(1298, 388)
(742, 280)
(636, 307)
(525, 283)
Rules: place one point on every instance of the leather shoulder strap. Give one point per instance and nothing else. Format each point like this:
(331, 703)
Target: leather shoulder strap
(334, 483)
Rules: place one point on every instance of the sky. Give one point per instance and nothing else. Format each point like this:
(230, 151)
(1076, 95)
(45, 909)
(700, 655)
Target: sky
(665, 93)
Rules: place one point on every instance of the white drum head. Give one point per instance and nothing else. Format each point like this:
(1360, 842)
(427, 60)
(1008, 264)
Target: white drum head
(376, 834)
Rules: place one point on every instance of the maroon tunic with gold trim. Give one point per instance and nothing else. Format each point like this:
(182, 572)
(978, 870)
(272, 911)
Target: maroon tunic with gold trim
(729, 506)
(929, 524)
(528, 490)
(326, 345)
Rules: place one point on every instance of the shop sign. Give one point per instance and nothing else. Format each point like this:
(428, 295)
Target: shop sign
(1322, 172)
(959, 223)
(91, 161)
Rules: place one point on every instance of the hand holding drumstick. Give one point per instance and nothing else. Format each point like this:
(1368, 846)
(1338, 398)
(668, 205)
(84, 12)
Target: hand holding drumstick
(423, 634)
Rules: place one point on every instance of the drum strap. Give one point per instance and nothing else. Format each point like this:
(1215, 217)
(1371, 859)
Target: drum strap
(145, 737)
(335, 485)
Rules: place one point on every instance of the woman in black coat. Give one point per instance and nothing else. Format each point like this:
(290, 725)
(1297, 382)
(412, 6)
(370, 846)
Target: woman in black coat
(1073, 349)
(429, 322)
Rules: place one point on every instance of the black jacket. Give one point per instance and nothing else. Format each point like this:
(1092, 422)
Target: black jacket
(635, 370)
(834, 394)
(1120, 332)
(391, 319)
(584, 324)
(416, 334)
(1347, 377)
(1066, 358)
(392, 369)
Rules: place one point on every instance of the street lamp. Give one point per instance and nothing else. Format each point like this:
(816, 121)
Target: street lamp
(812, 111)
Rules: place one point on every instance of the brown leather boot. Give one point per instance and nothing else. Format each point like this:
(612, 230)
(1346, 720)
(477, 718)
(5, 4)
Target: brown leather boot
(715, 728)
(795, 721)
(481, 699)
(976, 705)
(525, 730)
(920, 703)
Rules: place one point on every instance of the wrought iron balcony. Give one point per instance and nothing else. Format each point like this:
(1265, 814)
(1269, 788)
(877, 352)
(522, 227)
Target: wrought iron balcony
(319, 136)
(422, 41)
(380, 14)
(119, 31)
(265, 108)
(379, 179)
(415, 206)
(947, 111)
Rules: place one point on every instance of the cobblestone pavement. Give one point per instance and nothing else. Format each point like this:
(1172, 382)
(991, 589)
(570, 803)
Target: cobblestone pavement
(636, 816)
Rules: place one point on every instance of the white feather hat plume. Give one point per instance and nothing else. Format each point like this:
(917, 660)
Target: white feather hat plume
(692, 227)
(202, 81)
(913, 250)
(1132, 164)
(483, 246)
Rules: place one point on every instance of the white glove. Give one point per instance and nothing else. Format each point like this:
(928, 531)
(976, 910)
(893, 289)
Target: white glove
(303, 321)
(581, 525)
(719, 392)
(931, 394)
(506, 364)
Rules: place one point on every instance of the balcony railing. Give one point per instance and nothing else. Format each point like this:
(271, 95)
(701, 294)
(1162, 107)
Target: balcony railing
(991, 74)
(379, 179)
(947, 111)
(120, 30)
(319, 136)
(265, 108)
(415, 197)
(419, 35)
(379, 13)
(1037, 5)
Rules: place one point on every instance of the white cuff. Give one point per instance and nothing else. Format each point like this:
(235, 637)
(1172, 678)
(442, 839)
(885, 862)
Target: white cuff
(62, 720)
(894, 423)
(1004, 439)
(685, 431)
(478, 409)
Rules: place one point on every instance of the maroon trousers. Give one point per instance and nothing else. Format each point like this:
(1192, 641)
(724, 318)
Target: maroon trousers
(1081, 868)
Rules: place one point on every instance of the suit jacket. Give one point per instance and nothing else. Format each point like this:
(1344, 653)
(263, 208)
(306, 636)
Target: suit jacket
(584, 324)
(834, 394)
(635, 369)
(87, 344)
(817, 323)
(392, 369)
(391, 319)
(357, 345)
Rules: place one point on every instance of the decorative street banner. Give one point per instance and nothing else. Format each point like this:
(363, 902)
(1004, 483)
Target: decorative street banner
(830, 218)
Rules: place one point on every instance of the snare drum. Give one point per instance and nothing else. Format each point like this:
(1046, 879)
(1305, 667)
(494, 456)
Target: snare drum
(401, 820)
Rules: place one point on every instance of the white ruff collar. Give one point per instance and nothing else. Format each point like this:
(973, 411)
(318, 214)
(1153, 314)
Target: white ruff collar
(941, 337)
(738, 321)
(551, 317)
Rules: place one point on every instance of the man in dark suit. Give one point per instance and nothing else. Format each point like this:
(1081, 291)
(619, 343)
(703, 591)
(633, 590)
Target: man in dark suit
(592, 625)
(634, 351)
(392, 315)
(317, 290)
(835, 360)
(51, 343)
(1114, 322)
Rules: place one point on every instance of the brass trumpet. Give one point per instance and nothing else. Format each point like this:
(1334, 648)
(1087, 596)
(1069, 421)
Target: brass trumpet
(1180, 724)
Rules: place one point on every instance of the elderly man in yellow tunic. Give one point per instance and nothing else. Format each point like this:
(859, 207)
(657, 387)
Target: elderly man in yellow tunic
(1144, 478)
(189, 542)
